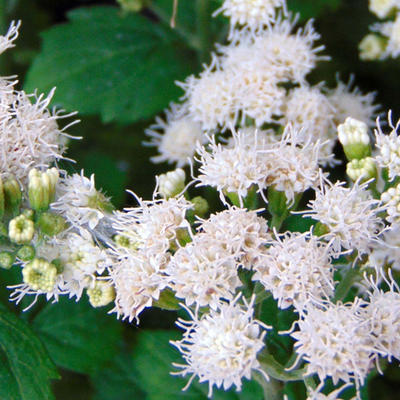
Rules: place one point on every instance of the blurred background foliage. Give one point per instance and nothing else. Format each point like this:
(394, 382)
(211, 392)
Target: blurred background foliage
(118, 70)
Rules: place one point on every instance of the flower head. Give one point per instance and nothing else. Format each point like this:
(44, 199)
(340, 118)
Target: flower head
(350, 215)
(253, 14)
(336, 342)
(80, 202)
(221, 347)
(241, 232)
(203, 272)
(176, 137)
(296, 268)
(389, 148)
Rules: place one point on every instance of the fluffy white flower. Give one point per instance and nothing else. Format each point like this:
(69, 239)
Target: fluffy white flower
(203, 272)
(221, 347)
(212, 98)
(82, 262)
(6, 41)
(232, 169)
(292, 163)
(296, 269)
(382, 8)
(307, 108)
(351, 102)
(390, 29)
(30, 136)
(254, 14)
(392, 200)
(386, 251)
(389, 148)
(80, 202)
(137, 284)
(316, 394)
(241, 232)
(278, 51)
(176, 137)
(383, 313)
(336, 342)
(349, 214)
(153, 225)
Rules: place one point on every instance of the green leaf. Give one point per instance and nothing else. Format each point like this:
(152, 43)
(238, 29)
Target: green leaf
(312, 8)
(25, 367)
(118, 381)
(297, 223)
(77, 336)
(121, 67)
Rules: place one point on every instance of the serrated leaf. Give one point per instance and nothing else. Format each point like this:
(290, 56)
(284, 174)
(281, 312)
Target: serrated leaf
(77, 336)
(121, 67)
(25, 367)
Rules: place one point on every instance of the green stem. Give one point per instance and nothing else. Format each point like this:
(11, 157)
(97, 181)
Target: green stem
(272, 389)
(203, 18)
(351, 276)
(190, 39)
(275, 370)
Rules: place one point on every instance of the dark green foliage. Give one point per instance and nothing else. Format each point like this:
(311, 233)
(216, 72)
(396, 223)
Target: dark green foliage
(77, 336)
(25, 367)
(121, 67)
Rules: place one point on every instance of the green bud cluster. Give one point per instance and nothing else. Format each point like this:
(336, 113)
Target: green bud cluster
(39, 274)
(42, 188)
(101, 294)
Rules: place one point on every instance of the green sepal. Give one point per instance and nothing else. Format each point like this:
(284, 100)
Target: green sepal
(167, 301)
(51, 224)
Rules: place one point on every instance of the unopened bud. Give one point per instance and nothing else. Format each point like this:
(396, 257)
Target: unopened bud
(6, 259)
(51, 224)
(353, 135)
(26, 253)
(200, 206)
(12, 195)
(42, 187)
(101, 294)
(363, 169)
(372, 47)
(21, 229)
(171, 183)
(39, 274)
(125, 241)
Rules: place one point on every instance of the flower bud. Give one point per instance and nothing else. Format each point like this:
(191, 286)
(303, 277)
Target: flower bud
(6, 259)
(39, 274)
(26, 253)
(171, 183)
(101, 294)
(51, 224)
(200, 206)
(353, 135)
(125, 241)
(364, 169)
(21, 229)
(42, 187)
(372, 47)
(12, 195)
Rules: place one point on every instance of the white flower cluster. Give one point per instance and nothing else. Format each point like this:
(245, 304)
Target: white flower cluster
(258, 78)
(48, 217)
(254, 129)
